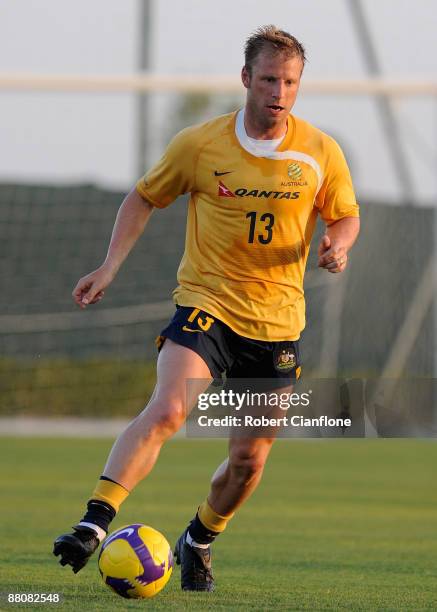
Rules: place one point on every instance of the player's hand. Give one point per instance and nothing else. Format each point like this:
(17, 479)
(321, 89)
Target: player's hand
(331, 257)
(90, 288)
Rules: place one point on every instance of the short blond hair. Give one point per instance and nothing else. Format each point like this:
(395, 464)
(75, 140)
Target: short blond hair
(275, 41)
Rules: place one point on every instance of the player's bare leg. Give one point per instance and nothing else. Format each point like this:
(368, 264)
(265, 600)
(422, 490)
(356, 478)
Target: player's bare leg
(238, 476)
(137, 448)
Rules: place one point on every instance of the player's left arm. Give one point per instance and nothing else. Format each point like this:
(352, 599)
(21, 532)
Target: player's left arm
(338, 208)
(336, 243)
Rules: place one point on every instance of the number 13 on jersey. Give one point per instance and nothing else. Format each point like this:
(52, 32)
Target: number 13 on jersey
(267, 221)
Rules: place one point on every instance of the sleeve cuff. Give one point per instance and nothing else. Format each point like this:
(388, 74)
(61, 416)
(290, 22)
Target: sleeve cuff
(146, 196)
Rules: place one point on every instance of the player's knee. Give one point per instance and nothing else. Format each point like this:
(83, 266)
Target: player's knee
(166, 417)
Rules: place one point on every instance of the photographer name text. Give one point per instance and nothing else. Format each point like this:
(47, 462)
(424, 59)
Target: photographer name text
(264, 421)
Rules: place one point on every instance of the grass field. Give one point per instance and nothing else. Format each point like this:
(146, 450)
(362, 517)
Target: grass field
(334, 525)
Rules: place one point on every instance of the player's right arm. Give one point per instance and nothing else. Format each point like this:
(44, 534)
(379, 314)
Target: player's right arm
(172, 176)
(131, 220)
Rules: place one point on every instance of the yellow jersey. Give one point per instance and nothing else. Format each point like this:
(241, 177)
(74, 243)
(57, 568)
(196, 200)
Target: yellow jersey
(251, 217)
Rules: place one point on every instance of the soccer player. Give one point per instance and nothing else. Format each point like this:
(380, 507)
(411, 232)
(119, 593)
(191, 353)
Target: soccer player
(257, 178)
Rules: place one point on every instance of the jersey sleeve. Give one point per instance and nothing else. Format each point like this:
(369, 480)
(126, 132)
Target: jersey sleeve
(174, 174)
(336, 197)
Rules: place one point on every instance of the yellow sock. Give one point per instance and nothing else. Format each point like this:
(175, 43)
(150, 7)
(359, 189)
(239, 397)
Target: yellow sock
(110, 492)
(212, 520)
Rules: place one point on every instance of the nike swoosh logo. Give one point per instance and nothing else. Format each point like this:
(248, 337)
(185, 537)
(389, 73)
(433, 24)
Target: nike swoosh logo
(128, 531)
(223, 173)
(185, 328)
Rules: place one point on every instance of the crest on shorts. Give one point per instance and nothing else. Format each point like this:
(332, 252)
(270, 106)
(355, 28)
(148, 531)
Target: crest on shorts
(285, 360)
(294, 171)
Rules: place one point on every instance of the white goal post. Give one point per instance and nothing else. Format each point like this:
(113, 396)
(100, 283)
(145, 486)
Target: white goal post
(145, 82)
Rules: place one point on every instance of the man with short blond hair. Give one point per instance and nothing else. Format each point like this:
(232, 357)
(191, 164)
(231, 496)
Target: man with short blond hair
(274, 41)
(257, 178)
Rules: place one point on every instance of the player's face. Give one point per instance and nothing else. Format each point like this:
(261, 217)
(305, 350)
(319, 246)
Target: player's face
(272, 88)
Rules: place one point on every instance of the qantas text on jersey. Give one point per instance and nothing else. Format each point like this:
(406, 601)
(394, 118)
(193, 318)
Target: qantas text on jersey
(260, 193)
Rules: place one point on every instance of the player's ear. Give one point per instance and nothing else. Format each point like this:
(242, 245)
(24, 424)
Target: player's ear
(245, 77)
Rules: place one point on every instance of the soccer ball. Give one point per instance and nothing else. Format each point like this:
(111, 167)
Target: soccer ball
(136, 561)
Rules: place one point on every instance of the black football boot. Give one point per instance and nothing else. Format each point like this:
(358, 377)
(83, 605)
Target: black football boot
(196, 574)
(77, 547)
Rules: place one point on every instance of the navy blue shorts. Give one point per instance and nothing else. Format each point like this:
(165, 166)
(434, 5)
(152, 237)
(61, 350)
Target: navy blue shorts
(226, 352)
